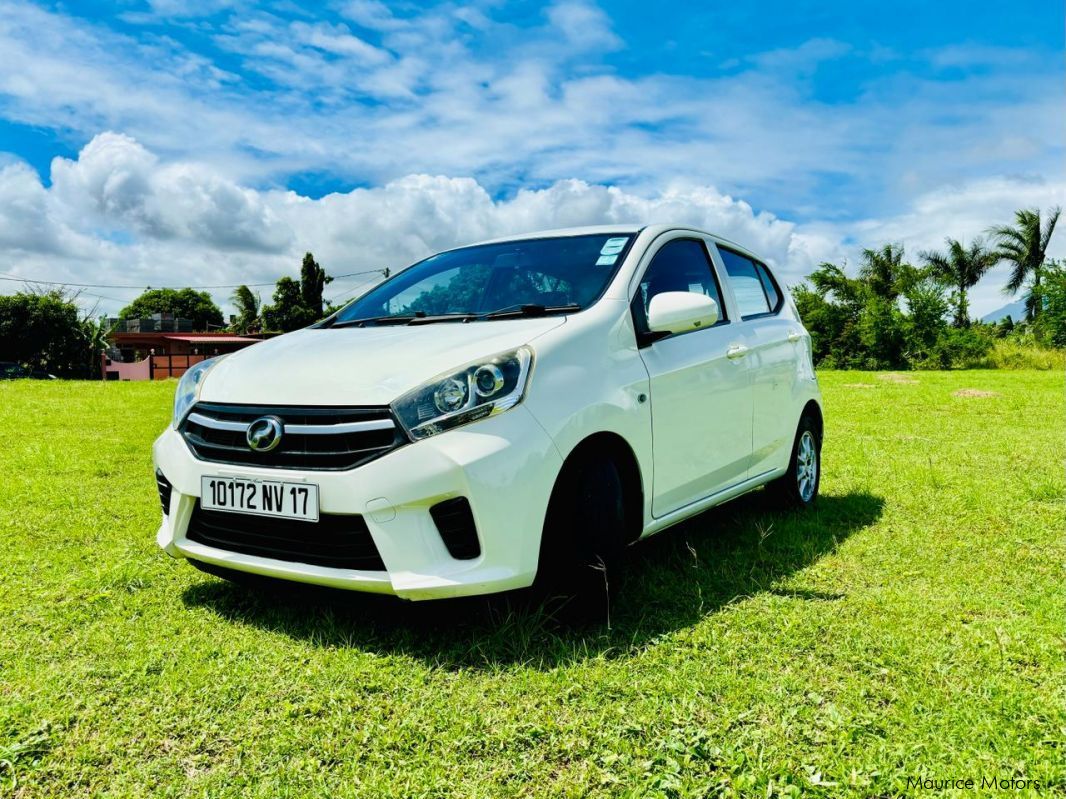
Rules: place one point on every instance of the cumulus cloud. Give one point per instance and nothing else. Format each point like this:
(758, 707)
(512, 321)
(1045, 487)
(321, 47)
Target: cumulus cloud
(121, 185)
(120, 214)
(137, 218)
(383, 91)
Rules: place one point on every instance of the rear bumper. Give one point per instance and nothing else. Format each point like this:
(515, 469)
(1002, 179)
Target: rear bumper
(505, 466)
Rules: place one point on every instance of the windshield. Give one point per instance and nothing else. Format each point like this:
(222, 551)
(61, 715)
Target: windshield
(565, 273)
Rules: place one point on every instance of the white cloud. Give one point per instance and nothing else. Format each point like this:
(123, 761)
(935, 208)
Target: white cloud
(119, 214)
(120, 185)
(584, 25)
(446, 89)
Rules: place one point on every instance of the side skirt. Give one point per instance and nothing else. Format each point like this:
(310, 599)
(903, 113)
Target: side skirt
(700, 505)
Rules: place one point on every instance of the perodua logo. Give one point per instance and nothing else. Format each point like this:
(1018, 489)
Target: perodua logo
(264, 433)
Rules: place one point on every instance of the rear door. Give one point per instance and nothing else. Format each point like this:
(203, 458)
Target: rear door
(772, 341)
(701, 396)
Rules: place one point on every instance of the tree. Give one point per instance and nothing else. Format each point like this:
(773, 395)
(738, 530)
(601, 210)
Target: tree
(45, 332)
(295, 304)
(860, 322)
(885, 273)
(287, 311)
(1052, 324)
(313, 280)
(184, 303)
(1024, 246)
(961, 268)
(247, 305)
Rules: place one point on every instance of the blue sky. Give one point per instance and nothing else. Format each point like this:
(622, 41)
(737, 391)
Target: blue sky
(182, 141)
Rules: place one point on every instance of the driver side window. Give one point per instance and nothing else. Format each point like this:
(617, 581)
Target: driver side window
(680, 265)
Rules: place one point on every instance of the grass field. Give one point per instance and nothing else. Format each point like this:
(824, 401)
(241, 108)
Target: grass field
(910, 627)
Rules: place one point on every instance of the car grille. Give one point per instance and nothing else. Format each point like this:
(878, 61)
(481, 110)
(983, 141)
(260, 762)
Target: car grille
(335, 541)
(312, 438)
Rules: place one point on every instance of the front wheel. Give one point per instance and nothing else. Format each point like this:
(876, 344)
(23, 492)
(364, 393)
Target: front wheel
(798, 486)
(582, 548)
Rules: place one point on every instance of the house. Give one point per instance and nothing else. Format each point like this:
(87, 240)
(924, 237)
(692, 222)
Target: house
(161, 346)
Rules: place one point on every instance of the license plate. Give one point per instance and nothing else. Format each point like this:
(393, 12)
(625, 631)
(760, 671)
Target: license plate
(260, 497)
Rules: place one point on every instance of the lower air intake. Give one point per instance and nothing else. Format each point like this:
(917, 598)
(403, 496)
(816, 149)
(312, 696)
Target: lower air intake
(335, 541)
(164, 491)
(455, 523)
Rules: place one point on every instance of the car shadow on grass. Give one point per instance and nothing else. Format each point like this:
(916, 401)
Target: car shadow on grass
(673, 580)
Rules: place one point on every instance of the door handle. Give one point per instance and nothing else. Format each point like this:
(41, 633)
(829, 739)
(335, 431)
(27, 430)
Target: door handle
(794, 335)
(736, 351)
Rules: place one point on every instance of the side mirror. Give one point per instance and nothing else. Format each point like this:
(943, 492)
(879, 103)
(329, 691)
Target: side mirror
(681, 311)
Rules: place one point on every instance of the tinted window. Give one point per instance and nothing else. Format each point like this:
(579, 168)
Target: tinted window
(746, 283)
(681, 265)
(570, 270)
(770, 287)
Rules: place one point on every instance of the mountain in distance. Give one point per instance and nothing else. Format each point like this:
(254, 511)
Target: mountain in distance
(1015, 310)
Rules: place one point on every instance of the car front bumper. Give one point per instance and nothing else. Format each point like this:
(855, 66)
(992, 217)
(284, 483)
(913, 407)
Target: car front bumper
(505, 466)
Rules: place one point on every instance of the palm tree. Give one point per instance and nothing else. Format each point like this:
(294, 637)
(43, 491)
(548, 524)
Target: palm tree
(884, 271)
(1024, 246)
(962, 268)
(247, 305)
(831, 279)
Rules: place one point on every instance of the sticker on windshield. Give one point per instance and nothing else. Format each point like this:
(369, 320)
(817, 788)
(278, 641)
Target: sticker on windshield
(606, 260)
(613, 246)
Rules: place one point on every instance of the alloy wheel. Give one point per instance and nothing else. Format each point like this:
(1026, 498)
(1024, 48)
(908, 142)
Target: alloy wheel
(806, 466)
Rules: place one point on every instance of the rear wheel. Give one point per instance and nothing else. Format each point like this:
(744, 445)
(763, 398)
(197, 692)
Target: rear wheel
(582, 547)
(798, 486)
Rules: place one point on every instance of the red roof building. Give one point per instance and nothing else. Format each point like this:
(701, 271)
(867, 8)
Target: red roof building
(157, 355)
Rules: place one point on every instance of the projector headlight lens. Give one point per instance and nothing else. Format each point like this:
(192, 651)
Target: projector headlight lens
(484, 388)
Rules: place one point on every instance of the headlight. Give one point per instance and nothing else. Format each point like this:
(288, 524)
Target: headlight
(189, 388)
(483, 388)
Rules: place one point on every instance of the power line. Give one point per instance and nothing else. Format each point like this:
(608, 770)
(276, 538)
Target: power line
(16, 279)
(348, 294)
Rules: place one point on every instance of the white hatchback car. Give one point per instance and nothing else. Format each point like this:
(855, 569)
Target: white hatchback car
(497, 414)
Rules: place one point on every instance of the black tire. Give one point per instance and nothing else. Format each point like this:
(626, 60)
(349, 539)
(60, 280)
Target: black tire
(798, 487)
(583, 544)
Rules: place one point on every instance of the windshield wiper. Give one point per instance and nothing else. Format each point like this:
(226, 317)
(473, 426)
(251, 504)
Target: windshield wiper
(464, 316)
(380, 320)
(529, 309)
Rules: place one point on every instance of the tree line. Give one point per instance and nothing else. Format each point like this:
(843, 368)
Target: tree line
(892, 314)
(295, 304)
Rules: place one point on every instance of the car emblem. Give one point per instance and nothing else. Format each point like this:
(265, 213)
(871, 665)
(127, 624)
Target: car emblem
(264, 433)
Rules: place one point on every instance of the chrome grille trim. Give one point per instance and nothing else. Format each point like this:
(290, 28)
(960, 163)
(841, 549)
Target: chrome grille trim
(297, 429)
(313, 437)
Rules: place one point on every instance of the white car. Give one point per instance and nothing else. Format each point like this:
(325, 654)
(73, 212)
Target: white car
(499, 414)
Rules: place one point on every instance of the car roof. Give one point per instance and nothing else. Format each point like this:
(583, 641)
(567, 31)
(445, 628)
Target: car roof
(620, 229)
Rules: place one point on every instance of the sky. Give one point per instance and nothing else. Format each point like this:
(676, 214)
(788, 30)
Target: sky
(213, 142)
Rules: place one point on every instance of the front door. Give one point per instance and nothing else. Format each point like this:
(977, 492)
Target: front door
(701, 393)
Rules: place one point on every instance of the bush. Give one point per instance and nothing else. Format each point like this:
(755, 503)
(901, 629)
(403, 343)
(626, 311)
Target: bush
(1013, 354)
(962, 347)
(45, 332)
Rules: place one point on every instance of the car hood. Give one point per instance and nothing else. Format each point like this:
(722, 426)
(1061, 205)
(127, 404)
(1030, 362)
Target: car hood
(359, 365)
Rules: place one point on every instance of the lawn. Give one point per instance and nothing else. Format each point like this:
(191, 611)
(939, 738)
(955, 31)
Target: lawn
(910, 627)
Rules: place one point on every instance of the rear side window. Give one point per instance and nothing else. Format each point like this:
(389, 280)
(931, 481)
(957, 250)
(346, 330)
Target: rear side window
(752, 284)
(773, 295)
(681, 265)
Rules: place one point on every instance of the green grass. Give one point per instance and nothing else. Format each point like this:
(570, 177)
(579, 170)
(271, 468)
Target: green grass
(910, 627)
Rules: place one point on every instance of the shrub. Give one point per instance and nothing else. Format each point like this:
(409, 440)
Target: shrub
(1013, 354)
